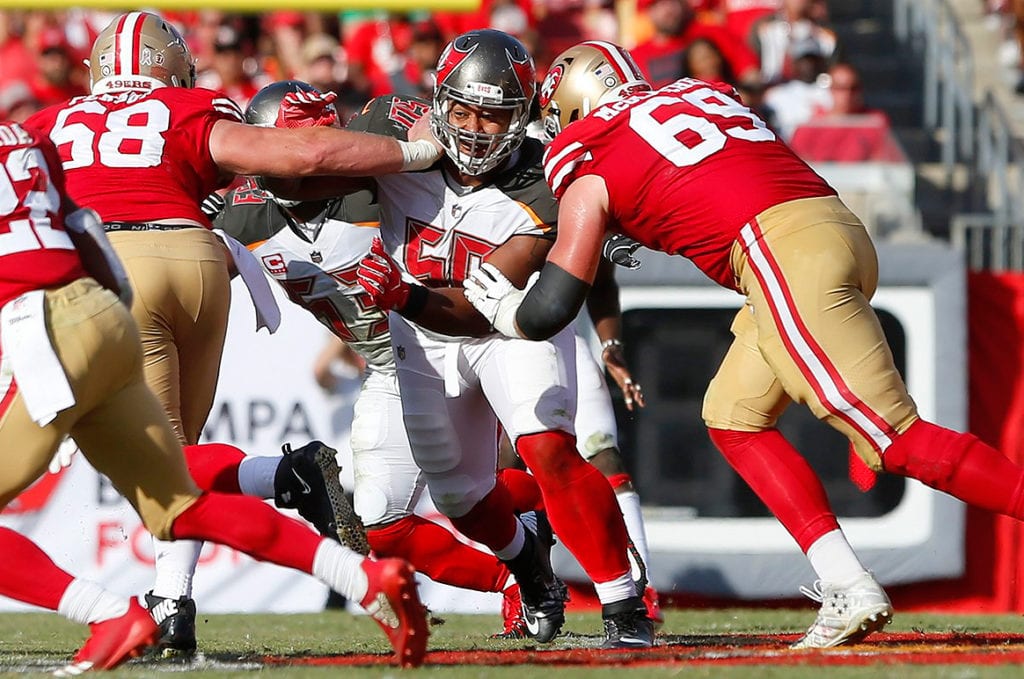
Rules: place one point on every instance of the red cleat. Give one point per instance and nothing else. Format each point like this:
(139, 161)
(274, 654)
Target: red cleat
(512, 616)
(111, 642)
(653, 607)
(392, 601)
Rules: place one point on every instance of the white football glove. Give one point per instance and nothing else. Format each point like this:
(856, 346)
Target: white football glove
(64, 456)
(496, 298)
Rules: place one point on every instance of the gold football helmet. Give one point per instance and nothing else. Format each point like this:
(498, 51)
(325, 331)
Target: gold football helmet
(139, 50)
(584, 77)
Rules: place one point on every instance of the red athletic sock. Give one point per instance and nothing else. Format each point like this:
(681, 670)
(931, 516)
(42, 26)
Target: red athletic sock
(491, 522)
(250, 526)
(781, 477)
(619, 480)
(580, 503)
(523, 489)
(959, 464)
(214, 466)
(27, 574)
(435, 552)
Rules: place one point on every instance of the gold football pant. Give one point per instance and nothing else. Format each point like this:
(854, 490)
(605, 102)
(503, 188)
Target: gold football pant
(116, 421)
(807, 332)
(182, 294)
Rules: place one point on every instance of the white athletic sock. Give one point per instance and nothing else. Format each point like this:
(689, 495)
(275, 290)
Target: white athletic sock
(832, 558)
(629, 503)
(256, 475)
(340, 569)
(86, 602)
(175, 567)
(512, 549)
(618, 589)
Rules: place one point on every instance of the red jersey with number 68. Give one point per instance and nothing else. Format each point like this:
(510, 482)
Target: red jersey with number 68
(139, 156)
(685, 167)
(35, 251)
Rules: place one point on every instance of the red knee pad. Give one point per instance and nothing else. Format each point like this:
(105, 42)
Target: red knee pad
(928, 453)
(214, 466)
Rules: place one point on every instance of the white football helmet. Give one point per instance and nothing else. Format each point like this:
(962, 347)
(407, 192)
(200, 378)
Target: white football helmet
(139, 50)
(485, 68)
(584, 77)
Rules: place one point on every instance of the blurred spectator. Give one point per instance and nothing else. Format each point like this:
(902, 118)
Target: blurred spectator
(844, 129)
(564, 23)
(286, 30)
(58, 76)
(327, 70)
(376, 50)
(661, 58)
(703, 60)
(776, 37)
(739, 16)
(1017, 9)
(417, 78)
(17, 102)
(792, 103)
(17, 62)
(234, 72)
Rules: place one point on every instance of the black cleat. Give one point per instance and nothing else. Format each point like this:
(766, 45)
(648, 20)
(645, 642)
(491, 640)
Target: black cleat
(177, 621)
(309, 480)
(543, 593)
(626, 624)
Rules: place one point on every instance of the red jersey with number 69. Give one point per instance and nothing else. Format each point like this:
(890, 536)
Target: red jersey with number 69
(139, 156)
(35, 251)
(685, 167)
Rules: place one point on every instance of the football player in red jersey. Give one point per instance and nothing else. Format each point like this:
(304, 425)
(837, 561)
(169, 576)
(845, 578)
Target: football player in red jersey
(143, 150)
(807, 268)
(71, 363)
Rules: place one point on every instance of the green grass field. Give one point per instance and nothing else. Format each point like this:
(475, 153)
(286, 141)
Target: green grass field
(237, 645)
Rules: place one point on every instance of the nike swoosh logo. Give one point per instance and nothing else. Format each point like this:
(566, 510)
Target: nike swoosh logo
(306, 490)
(532, 624)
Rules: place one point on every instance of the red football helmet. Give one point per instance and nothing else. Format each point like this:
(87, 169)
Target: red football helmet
(485, 68)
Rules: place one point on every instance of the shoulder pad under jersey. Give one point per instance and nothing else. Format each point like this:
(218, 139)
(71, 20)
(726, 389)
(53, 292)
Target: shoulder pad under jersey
(391, 115)
(524, 182)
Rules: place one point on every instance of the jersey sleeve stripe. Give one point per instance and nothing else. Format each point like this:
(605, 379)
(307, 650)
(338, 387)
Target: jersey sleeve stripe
(560, 166)
(229, 107)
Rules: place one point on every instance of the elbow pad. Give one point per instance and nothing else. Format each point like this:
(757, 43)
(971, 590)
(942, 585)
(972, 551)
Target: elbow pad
(551, 304)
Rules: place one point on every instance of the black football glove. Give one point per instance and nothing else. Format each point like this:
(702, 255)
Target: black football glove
(619, 249)
(212, 205)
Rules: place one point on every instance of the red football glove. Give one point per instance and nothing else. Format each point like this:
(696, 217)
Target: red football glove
(307, 109)
(379, 276)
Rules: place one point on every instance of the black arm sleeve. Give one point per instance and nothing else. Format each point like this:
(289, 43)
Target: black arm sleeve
(552, 303)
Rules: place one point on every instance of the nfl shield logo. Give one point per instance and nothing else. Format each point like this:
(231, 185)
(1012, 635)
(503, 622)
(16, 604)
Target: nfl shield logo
(316, 256)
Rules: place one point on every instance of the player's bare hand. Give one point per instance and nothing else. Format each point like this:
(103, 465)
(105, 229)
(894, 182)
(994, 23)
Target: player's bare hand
(421, 130)
(615, 362)
(380, 277)
(307, 109)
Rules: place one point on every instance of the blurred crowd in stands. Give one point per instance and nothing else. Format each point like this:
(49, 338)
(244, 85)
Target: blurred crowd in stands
(781, 55)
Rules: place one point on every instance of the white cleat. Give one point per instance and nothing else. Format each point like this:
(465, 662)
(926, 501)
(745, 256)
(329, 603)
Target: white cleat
(849, 612)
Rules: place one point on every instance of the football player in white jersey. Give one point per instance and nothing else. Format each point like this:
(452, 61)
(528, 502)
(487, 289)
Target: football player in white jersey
(312, 249)
(487, 202)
